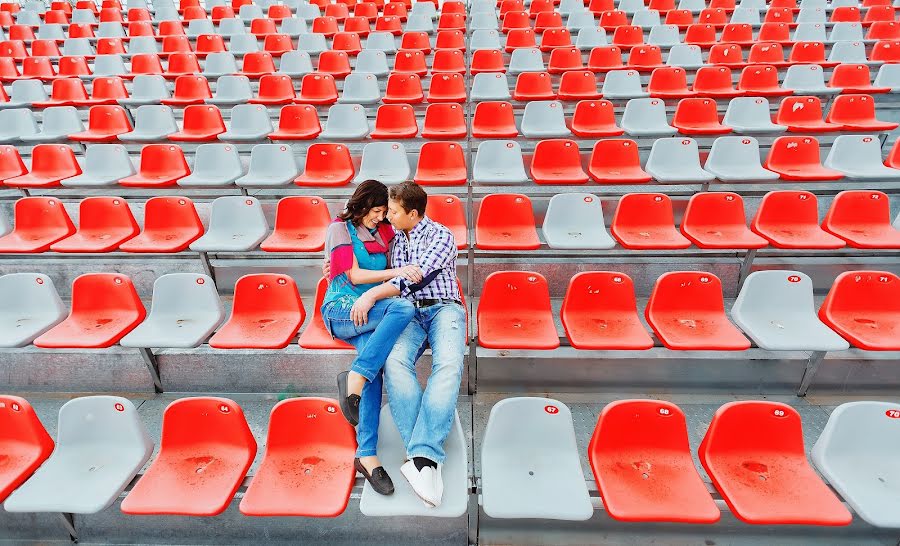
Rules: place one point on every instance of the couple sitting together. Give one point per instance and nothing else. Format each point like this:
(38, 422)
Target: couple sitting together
(393, 292)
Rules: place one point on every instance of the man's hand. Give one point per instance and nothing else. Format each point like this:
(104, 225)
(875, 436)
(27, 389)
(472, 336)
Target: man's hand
(359, 313)
(412, 273)
(326, 269)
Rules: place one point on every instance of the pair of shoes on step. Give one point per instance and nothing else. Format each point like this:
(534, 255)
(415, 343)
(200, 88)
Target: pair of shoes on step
(378, 478)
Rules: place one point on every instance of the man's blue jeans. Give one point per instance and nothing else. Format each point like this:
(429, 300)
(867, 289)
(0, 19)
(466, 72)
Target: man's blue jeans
(424, 418)
(374, 340)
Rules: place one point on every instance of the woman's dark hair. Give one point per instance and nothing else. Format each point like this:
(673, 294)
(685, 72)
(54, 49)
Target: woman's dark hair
(368, 195)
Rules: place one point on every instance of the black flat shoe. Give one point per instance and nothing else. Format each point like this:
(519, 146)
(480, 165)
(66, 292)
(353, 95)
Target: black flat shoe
(349, 403)
(379, 478)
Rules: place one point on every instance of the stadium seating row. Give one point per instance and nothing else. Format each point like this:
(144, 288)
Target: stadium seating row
(686, 312)
(574, 221)
(639, 454)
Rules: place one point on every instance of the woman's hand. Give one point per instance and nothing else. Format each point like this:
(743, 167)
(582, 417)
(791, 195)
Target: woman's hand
(412, 273)
(359, 313)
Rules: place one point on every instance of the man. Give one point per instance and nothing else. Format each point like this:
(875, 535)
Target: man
(424, 419)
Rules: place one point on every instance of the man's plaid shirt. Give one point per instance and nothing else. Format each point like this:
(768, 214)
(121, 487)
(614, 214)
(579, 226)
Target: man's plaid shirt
(432, 247)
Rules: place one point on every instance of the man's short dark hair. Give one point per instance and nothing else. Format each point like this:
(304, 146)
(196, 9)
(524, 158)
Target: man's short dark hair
(410, 195)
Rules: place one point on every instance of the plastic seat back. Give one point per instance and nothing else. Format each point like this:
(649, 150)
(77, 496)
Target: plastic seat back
(575, 221)
(797, 158)
(326, 165)
(271, 165)
(646, 117)
(105, 307)
(161, 165)
(789, 219)
(361, 88)
(231, 89)
(676, 160)
(863, 219)
(599, 312)
(38, 223)
(393, 121)
(151, 123)
(557, 161)
(200, 123)
(50, 164)
(266, 314)
(147, 89)
(616, 161)
(94, 433)
(214, 165)
(321, 489)
(297, 122)
(170, 225)
(236, 224)
(315, 335)
(488, 86)
(753, 452)
(317, 88)
(640, 451)
(249, 123)
(196, 433)
(300, 224)
(30, 306)
(646, 221)
(776, 309)
(444, 120)
(717, 220)
(514, 312)
(687, 312)
(441, 164)
(23, 439)
(544, 119)
(698, 117)
(737, 159)
(104, 223)
(506, 222)
(622, 84)
(449, 211)
(533, 471)
(384, 161)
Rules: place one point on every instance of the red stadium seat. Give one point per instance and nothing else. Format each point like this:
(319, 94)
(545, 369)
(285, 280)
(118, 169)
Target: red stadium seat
(161, 165)
(24, 443)
(864, 308)
(698, 117)
(415, 41)
(703, 35)
(646, 221)
(450, 39)
(605, 58)
(209, 43)
(146, 63)
(627, 36)
(182, 64)
(520, 38)
(403, 88)
(857, 113)
(326, 165)
(617, 161)
(761, 80)
(170, 225)
(74, 67)
(441, 164)
(737, 33)
(557, 161)
(809, 53)
(854, 78)
(715, 82)
(726, 54)
(37, 68)
(300, 224)
(641, 459)
(595, 118)
(105, 307)
(599, 313)
(669, 82)
(797, 158)
(103, 224)
(564, 59)
(257, 63)
(297, 122)
(325, 25)
(334, 63)
(578, 85)
(753, 452)
(533, 86)
(449, 211)
(315, 335)
(863, 219)
(790, 219)
(645, 58)
(274, 89)
(444, 120)
(803, 115)
(11, 164)
(189, 90)
(494, 120)
(307, 469)
(317, 89)
(514, 312)
(205, 451)
(106, 91)
(9, 70)
(687, 312)
(681, 18)
(449, 60)
(50, 164)
(553, 38)
(39, 222)
(410, 61)
(269, 300)
(278, 44)
(490, 60)
(717, 220)
(395, 121)
(389, 23)
(202, 123)
(506, 222)
(446, 87)
(105, 124)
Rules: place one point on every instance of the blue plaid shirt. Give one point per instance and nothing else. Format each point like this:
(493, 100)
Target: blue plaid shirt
(431, 246)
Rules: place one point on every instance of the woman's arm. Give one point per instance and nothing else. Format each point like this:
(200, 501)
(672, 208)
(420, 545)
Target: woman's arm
(358, 275)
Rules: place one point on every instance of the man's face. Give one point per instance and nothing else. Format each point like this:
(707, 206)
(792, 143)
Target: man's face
(399, 217)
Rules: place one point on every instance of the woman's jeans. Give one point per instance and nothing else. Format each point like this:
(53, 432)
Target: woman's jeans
(374, 342)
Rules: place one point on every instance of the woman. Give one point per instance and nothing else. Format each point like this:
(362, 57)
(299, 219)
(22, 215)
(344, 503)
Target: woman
(357, 247)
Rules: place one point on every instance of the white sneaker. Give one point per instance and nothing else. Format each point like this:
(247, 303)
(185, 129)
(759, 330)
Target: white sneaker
(426, 483)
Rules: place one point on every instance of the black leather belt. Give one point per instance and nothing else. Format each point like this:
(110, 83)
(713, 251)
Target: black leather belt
(429, 302)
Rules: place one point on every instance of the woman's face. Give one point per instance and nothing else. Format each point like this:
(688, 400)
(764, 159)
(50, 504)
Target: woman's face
(374, 217)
